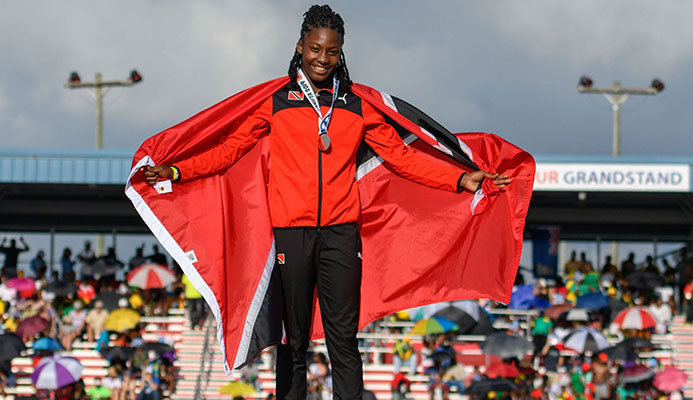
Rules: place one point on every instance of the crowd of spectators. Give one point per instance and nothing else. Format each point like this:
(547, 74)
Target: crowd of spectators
(552, 371)
(547, 372)
(74, 303)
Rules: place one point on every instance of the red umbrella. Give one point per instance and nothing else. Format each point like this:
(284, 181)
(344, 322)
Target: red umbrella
(151, 276)
(502, 370)
(670, 380)
(31, 326)
(638, 318)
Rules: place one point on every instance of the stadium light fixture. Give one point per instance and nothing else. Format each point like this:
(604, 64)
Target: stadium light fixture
(657, 85)
(617, 95)
(585, 81)
(135, 76)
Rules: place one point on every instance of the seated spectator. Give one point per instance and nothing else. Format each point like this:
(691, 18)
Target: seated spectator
(400, 386)
(95, 319)
(114, 383)
(98, 391)
(151, 379)
(404, 355)
(437, 389)
(663, 313)
(73, 324)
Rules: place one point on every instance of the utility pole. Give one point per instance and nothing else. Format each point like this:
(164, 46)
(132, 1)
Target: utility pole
(74, 82)
(617, 95)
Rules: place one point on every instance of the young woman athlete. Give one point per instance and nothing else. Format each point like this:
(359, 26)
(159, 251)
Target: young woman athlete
(313, 195)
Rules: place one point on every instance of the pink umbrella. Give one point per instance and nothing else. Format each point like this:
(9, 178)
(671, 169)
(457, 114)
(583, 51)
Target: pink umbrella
(638, 318)
(670, 380)
(31, 326)
(24, 286)
(150, 276)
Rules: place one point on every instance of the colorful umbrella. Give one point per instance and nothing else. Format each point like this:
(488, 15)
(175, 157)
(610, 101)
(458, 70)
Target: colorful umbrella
(151, 276)
(20, 284)
(86, 292)
(46, 344)
(670, 380)
(433, 325)
(117, 352)
(505, 345)
(636, 374)
(465, 319)
(61, 288)
(523, 298)
(577, 315)
(490, 385)
(584, 339)
(502, 370)
(104, 266)
(121, 320)
(638, 318)
(10, 346)
(557, 310)
(56, 371)
(24, 286)
(644, 280)
(593, 301)
(237, 389)
(109, 299)
(31, 326)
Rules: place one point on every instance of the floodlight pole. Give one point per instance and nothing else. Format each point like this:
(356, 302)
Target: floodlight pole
(616, 95)
(98, 86)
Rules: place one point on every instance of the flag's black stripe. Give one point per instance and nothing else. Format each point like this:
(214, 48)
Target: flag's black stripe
(442, 135)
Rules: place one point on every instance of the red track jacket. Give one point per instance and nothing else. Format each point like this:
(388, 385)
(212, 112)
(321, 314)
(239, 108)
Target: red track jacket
(308, 187)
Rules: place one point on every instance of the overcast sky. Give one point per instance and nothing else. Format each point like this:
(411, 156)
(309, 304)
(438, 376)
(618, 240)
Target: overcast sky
(504, 66)
(508, 67)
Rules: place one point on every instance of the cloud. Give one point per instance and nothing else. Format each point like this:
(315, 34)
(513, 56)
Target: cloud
(507, 66)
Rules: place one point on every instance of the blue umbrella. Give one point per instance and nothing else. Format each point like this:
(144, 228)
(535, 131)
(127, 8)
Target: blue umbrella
(593, 301)
(47, 344)
(523, 298)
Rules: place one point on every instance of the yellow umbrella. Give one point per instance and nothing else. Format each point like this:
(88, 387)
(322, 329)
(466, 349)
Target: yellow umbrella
(237, 389)
(121, 320)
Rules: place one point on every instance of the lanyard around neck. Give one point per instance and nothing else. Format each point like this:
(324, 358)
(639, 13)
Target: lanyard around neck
(323, 122)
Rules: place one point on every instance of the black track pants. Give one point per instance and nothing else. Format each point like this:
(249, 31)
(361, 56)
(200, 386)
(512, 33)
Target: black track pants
(328, 258)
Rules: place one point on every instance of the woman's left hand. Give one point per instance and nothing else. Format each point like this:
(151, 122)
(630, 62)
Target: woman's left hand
(471, 180)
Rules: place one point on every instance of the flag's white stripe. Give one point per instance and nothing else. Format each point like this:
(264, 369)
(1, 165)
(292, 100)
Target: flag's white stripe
(387, 99)
(478, 196)
(255, 306)
(374, 162)
(466, 149)
(167, 241)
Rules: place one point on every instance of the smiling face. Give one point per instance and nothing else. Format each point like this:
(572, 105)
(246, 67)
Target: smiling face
(320, 49)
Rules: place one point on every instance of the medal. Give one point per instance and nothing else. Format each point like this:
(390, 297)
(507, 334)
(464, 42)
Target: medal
(323, 122)
(324, 142)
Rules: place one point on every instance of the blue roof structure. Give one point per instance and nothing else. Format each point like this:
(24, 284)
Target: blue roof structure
(111, 167)
(65, 166)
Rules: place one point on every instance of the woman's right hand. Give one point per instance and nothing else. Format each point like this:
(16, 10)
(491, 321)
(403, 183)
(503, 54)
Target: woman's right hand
(153, 174)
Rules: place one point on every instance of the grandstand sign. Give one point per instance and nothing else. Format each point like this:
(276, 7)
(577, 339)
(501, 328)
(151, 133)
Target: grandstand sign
(613, 177)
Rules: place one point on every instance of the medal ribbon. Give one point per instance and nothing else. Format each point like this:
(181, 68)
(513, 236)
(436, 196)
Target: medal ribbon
(323, 122)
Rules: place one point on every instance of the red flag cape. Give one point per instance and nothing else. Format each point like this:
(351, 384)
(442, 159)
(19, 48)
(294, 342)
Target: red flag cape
(420, 245)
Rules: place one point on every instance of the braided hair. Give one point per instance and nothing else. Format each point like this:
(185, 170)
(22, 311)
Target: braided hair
(322, 17)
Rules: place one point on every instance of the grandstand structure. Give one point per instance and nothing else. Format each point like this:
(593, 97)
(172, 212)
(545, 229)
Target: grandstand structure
(588, 198)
